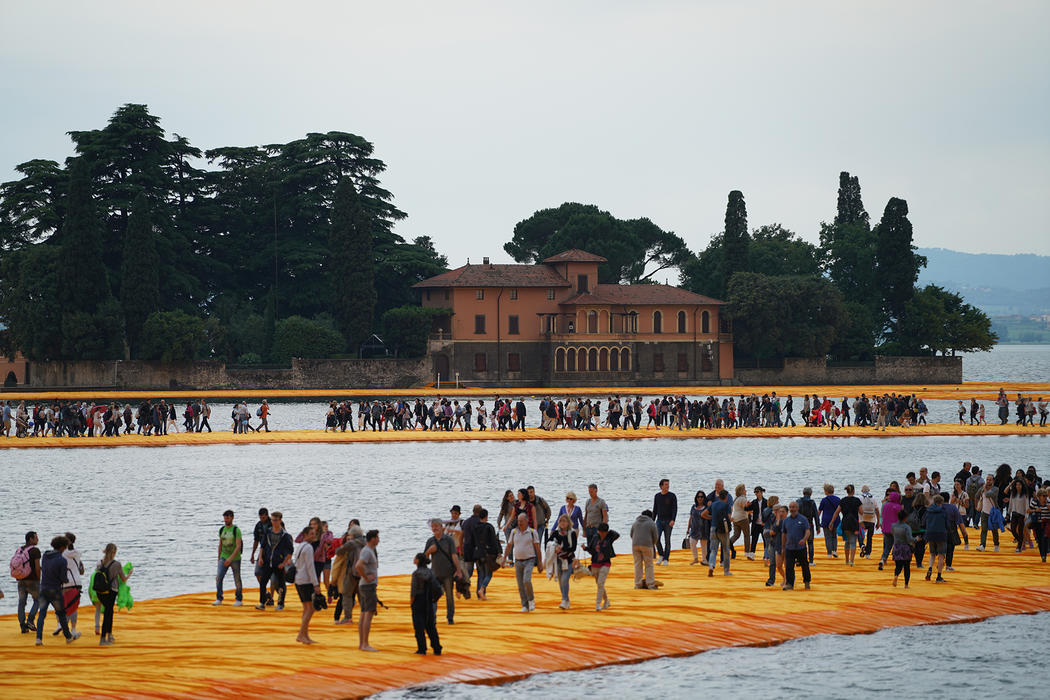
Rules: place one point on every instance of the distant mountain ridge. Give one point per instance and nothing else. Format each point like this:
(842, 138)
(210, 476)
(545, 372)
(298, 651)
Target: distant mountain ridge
(1000, 285)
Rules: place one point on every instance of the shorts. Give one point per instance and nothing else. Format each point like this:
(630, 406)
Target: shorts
(305, 591)
(328, 565)
(71, 598)
(318, 568)
(366, 593)
(937, 547)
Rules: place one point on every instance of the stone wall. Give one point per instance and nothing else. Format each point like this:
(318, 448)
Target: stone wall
(303, 374)
(884, 370)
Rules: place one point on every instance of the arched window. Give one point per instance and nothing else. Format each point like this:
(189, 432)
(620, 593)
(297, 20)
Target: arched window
(681, 322)
(592, 322)
(658, 322)
(592, 359)
(614, 360)
(570, 360)
(559, 360)
(625, 359)
(705, 322)
(603, 360)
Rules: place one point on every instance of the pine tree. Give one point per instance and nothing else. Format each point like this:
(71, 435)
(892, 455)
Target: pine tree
(736, 238)
(897, 264)
(140, 280)
(351, 266)
(83, 283)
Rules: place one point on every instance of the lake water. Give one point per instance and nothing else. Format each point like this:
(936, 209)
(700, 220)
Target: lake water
(163, 508)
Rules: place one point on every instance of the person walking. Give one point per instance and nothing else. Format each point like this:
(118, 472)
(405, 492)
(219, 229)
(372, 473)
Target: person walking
(54, 570)
(276, 553)
(25, 568)
(828, 510)
(306, 582)
(718, 514)
(699, 528)
(258, 539)
(348, 582)
(486, 552)
(565, 540)
(231, 544)
(595, 512)
(738, 514)
(424, 593)
(73, 585)
(444, 563)
(205, 415)
(989, 500)
(644, 536)
(795, 531)
(367, 568)
(665, 511)
(264, 414)
(524, 544)
(600, 547)
(109, 574)
(869, 518)
(935, 523)
(903, 541)
(808, 509)
(849, 509)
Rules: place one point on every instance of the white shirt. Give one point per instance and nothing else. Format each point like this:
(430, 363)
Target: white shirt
(303, 559)
(75, 567)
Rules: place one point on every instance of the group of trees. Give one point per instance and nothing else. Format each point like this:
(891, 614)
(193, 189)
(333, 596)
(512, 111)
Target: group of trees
(130, 250)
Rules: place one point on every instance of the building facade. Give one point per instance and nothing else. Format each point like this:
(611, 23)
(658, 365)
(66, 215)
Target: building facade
(553, 324)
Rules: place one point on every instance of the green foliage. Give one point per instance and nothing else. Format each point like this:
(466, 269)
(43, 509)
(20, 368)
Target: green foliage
(173, 336)
(858, 339)
(350, 268)
(84, 281)
(296, 336)
(140, 283)
(734, 237)
(32, 209)
(631, 246)
(784, 316)
(250, 358)
(93, 335)
(897, 264)
(406, 329)
(29, 301)
(935, 320)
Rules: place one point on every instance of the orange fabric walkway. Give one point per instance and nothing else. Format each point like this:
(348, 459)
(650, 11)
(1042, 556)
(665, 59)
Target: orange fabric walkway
(533, 433)
(183, 647)
(984, 391)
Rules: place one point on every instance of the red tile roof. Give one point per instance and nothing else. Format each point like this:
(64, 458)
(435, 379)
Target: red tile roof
(496, 276)
(638, 294)
(575, 255)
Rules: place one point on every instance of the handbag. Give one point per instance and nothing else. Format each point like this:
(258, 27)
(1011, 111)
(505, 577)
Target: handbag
(289, 573)
(685, 543)
(319, 602)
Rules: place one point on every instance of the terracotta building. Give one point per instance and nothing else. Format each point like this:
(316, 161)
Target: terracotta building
(553, 324)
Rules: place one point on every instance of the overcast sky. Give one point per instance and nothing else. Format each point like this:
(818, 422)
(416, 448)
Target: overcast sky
(487, 111)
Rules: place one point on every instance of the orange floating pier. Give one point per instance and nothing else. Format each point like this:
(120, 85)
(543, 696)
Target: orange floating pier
(182, 647)
(533, 433)
(983, 391)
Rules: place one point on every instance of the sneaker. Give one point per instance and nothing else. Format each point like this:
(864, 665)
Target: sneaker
(606, 605)
(597, 608)
(279, 608)
(940, 579)
(30, 626)
(104, 642)
(966, 546)
(880, 566)
(997, 548)
(39, 642)
(237, 603)
(260, 606)
(710, 572)
(834, 555)
(728, 573)
(563, 605)
(751, 556)
(807, 586)
(980, 548)
(929, 574)
(524, 608)
(949, 569)
(532, 605)
(217, 602)
(786, 587)
(74, 637)
(57, 632)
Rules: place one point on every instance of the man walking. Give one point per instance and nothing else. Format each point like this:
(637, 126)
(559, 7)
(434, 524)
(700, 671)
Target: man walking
(231, 544)
(643, 538)
(595, 512)
(444, 563)
(796, 532)
(54, 569)
(665, 507)
(28, 565)
(276, 553)
(718, 514)
(367, 568)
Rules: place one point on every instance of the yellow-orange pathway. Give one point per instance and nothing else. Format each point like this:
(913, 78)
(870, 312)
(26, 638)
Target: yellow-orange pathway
(184, 647)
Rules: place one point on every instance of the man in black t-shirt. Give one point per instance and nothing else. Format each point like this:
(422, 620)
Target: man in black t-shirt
(29, 585)
(665, 510)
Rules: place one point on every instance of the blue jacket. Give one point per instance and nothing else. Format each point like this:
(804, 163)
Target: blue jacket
(275, 556)
(936, 523)
(53, 570)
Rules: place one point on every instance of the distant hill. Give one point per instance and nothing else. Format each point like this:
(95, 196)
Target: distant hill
(1000, 285)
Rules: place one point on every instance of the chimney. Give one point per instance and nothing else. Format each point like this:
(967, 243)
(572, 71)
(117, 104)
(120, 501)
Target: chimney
(485, 260)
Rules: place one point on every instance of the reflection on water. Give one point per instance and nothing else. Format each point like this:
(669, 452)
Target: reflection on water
(992, 658)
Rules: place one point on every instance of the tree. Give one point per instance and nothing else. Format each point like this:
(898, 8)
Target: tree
(82, 272)
(406, 329)
(29, 301)
(95, 335)
(401, 265)
(296, 336)
(32, 209)
(784, 316)
(897, 264)
(936, 320)
(173, 336)
(735, 238)
(140, 285)
(352, 267)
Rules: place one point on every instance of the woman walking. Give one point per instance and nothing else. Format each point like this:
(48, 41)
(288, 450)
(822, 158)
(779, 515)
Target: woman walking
(423, 598)
(1020, 498)
(565, 539)
(849, 509)
(902, 545)
(740, 523)
(109, 574)
(600, 548)
(891, 507)
(828, 510)
(699, 528)
(305, 579)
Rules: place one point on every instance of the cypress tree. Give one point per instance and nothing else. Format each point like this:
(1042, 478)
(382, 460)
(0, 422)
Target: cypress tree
(82, 280)
(352, 265)
(896, 262)
(736, 238)
(140, 279)
(850, 206)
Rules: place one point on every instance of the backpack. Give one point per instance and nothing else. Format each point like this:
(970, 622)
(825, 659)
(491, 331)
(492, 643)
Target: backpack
(101, 581)
(20, 563)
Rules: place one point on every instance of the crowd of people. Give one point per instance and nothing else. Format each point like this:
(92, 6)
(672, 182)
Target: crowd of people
(86, 418)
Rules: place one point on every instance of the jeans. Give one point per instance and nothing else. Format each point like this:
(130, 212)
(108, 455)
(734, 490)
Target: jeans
(984, 531)
(663, 532)
(275, 577)
(564, 575)
(424, 623)
(831, 539)
(484, 575)
(523, 575)
(26, 589)
(449, 584)
(643, 561)
(887, 546)
(869, 530)
(600, 574)
(719, 539)
(49, 596)
(741, 527)
(220, 575)
(795, 556)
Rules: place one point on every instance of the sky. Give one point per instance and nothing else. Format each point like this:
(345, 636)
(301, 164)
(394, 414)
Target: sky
(485, 112)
